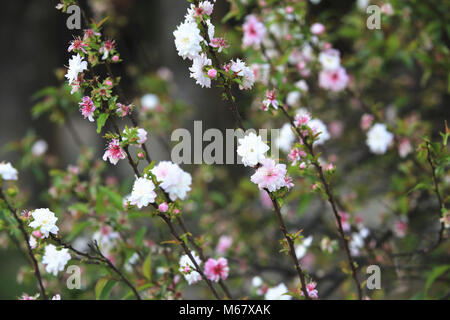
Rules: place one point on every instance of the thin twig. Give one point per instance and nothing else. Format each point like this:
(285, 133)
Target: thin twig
(34, 262)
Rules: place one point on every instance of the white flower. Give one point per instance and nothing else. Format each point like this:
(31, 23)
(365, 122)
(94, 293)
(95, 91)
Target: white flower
(76, 65)
(44, 220)
(362, 4)
(211, 29)
(198, 70)
(32, 242)
(330, 59)
(187, 40)
(378, 138)
(257, 282)
(149, 101)
(174, 180)
(301, 249)
(252, 149)
(39, 148)
(277, 293)
(7, 171)
(318, 126)
(286, 138)
(293, 98)
(143, 193)
(302, 85)
(142, 135)
(246, 74)
(55, 260)
(56, 297)
(187, 268)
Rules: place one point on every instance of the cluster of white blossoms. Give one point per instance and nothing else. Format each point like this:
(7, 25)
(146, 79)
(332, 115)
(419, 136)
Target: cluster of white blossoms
(174, 180)
(76, 65)
(269, 175)
(143, 193)
(8, 172)
(55, 260)
(187, 268)
(190, 44)
(44, 221)
(379, 138)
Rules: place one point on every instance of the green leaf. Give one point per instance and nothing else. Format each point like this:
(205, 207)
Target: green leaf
(139, 289)
(140, 236)
(147, 268)
(101, 120)
(114, 197)
(103, 288)
(434, 274)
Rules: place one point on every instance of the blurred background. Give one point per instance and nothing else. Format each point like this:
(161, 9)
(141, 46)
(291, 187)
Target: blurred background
(34, 46)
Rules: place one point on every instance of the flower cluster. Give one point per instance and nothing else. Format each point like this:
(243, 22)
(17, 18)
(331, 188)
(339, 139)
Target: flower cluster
(194, 45)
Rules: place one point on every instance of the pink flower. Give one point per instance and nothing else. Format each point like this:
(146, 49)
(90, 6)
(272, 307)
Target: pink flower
(400, 228)
(288, 182)
(303, 166)
(163, 207)
(87, 108)
(295, 155)
(404, 147)
(224, 243)
(123, 110)
(270, 100)
(317, 28)
(330, 167)
(270, 175)
(216, 269)
(90, 33)
(254, 32)
(212, 73)
(302, 118)
(345, 217)
(366, 121)
(114, 152)
(334, 80)
(220, 43)
(312, 291)
(107, 47)
(77, 44)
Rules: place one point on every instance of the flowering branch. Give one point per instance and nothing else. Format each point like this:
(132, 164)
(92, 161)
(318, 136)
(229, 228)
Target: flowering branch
(34, 262)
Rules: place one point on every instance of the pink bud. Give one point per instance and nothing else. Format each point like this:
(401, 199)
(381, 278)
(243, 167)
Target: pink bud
(108, 82)
(37, 234)
(163, 207)
(176, 211)
(314, 187)
(330, 167)
(212, 73)
(140, 155)
(115, 58)
(302, 165)
(289, 9)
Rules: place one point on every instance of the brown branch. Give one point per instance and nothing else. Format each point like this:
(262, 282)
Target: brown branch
(290, 243)
(331, 200)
